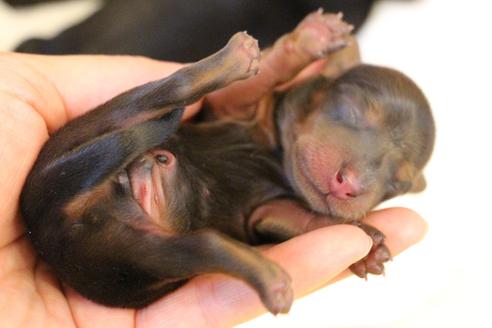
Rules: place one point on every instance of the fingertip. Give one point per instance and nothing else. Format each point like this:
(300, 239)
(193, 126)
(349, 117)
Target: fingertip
(414, 224)
(344, 241)
(364, 242)
(192, 110)
(314, 258)
(403, 227)
(360, 243)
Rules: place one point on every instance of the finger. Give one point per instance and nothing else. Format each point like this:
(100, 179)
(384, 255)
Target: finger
(89, 314)
(402, 227)
(220, 301)
(23, 133)
(51, 297)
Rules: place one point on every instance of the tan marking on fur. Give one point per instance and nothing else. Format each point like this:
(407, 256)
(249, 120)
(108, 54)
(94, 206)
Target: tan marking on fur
(264, 122)
(419, 183)
(79, 204)
(406, 172)
(374, 114)
(342, 60)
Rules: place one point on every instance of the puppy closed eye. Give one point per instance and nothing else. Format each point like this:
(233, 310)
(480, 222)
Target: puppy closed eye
(346, 114)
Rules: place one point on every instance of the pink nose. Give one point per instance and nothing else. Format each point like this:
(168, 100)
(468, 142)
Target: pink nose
(344, 185)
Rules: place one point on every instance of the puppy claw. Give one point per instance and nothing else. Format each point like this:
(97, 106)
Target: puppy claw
(359, 269)
(379, 254)
(319, 34)
(382, 254)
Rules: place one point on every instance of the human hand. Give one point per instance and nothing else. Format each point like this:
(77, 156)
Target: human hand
(38, 95)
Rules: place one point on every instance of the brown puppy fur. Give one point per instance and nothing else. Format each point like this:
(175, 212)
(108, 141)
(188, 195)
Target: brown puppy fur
(125, 207)
(347, 144)
(353, 142)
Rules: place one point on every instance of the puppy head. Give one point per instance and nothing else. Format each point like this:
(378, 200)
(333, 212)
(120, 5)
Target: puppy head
(358, 140)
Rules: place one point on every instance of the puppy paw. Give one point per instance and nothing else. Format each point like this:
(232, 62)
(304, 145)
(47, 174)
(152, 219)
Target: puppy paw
(320, 34)
(378, 255)
(276, 293)
(244, 49)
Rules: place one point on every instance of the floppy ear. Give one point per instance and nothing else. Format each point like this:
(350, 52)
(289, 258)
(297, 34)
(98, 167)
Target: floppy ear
(410, 178)
(418, 183)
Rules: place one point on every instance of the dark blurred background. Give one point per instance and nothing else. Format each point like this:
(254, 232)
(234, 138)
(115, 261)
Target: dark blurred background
(185, 30)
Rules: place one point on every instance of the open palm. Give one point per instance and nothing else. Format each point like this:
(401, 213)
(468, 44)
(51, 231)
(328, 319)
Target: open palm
(38, 94)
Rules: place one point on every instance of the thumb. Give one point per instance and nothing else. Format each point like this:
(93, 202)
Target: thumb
(64, 87)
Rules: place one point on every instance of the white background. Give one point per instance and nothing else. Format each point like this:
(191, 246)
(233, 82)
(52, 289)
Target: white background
(445, 280)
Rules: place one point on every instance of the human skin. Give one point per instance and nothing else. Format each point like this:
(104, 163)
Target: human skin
(41, 93)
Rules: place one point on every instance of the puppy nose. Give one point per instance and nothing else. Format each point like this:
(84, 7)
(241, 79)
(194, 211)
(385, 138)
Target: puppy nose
(344, 185)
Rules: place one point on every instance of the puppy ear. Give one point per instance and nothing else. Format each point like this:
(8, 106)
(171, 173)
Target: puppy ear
(419, 183)
(410, 178)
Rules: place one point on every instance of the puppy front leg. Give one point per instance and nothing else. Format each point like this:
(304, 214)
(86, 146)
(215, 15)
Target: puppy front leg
(282, 220)
(316, 36)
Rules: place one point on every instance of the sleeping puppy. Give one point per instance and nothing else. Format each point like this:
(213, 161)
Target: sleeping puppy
(126, 205)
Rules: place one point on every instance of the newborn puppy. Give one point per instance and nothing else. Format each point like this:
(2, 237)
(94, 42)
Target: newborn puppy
(122, 207)
(347, 145)
(126, 207)
(349, 139)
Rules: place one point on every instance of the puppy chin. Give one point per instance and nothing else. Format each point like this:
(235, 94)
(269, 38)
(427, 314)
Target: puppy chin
(347, 210)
